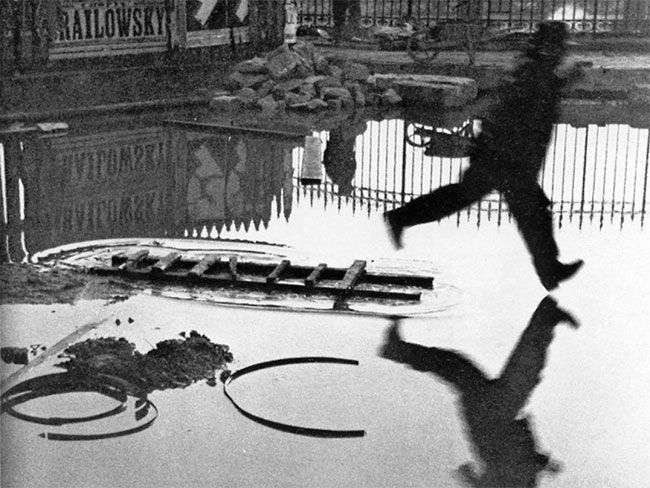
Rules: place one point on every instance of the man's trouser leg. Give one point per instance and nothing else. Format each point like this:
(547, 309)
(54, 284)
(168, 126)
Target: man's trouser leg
(443, 201)
(532, 212)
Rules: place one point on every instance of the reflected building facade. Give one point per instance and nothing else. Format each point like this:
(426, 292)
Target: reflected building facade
(129, 178)
(149, 181)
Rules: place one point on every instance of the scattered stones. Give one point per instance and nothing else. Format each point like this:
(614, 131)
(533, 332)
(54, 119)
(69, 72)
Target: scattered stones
(282, 63)
(247, 96)
(321, 65)
(317, 104)
(356, 72)
(267, 104)
(311, 106)
(301, 79)
(390, 97)
(309, 89)
(253, 81)
(291, 85)
(226, 103)
(336, 92)
(335, 104)
(335, 71)
(327, 81)
(237, 80)
(253, 66)
(266, 88)
(306, 53)
(314, 79)
(296, 98)
(432, 90)
(234, 81)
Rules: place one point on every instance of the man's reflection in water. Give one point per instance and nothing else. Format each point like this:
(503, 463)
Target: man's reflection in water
(501, 437)
(339, 157)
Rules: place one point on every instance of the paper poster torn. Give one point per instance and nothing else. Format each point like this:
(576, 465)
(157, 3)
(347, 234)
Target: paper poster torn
(205, 10)
(242, 10)
(207, 7)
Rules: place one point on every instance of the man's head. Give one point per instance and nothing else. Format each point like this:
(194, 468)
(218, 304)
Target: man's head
(548, 44)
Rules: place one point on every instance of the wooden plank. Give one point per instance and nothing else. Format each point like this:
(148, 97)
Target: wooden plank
(205, 126)
(375, 277)
(140, 106)
(202, 266)
(166, 262)
(274, 276)
(353, 275)
(133, 259)
(399, 279)
(216, 37)
(259, 283)
(313, 277)
(232, 267)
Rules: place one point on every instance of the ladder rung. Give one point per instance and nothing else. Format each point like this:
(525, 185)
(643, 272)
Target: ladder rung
(166, 262)
(133, 259)
(314, 276)
(277, 271)
(202, 266)
(232, 267)
(353, 274)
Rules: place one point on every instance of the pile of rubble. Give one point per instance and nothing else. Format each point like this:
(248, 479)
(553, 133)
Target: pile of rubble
(299, 78)
(172, 363)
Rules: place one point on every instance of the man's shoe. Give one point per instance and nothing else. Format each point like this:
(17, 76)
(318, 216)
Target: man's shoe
(562, 315)
(394, 230)
(560, 272)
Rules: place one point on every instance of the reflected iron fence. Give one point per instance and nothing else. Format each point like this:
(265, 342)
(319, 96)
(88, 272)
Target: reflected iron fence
(616, 16)
(153, 182)
(593, 175)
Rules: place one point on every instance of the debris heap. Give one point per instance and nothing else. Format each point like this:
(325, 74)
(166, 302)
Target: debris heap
(300, 79)
(174, 363)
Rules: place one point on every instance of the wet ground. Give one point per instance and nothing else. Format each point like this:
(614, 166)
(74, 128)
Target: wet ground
(583, 390)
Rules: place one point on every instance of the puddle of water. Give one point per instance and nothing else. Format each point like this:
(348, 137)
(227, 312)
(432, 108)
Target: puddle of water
(585, 410)
(167, 182)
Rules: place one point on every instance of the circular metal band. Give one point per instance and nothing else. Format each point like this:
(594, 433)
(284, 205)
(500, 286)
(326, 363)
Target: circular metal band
(60, 383)
(294, 429)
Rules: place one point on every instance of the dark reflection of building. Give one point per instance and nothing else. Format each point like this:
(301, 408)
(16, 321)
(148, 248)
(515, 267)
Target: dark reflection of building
(230, 179)
(139, 181)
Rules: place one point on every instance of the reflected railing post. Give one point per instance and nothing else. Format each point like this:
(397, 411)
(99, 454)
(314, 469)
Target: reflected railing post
(645, 180)
(387, 175)
(13, 226)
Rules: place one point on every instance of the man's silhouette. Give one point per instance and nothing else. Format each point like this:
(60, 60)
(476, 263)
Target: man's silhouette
(507, 156)
(501, 437)
(339, 157)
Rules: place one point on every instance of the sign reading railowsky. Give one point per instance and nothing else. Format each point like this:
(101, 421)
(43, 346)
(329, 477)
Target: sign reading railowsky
(113, 20)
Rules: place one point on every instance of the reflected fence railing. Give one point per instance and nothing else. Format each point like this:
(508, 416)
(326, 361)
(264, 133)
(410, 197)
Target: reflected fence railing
(594, 175)
(617, 16)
